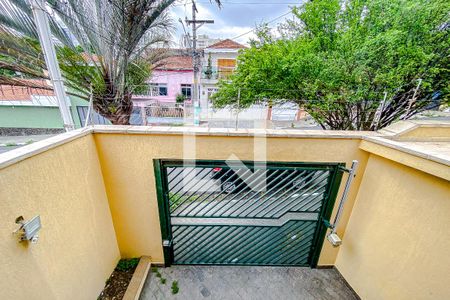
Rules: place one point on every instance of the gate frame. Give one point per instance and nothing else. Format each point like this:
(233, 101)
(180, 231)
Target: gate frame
(164, 205)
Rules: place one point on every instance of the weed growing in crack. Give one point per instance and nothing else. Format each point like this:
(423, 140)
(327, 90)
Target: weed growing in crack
(175, 287)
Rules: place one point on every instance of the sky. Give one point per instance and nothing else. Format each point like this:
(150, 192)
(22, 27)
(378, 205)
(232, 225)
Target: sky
(235, 18)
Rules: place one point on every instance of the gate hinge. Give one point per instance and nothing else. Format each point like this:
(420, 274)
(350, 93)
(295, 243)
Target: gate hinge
(167, 243)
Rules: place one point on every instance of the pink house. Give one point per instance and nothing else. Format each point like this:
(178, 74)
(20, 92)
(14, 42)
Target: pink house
(174, 77)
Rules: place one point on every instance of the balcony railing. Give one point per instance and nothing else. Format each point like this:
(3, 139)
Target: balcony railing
(217, 73)
(149, 91)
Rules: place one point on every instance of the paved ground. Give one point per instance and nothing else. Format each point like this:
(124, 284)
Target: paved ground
(227, 282)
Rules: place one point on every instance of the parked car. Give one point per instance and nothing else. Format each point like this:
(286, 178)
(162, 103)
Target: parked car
(231, 182)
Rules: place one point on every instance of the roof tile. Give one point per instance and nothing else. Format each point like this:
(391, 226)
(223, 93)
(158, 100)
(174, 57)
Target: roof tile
(23, 93)
(176, 62)
(227, 44)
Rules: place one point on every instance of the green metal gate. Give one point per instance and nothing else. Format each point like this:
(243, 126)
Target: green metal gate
(234, 213)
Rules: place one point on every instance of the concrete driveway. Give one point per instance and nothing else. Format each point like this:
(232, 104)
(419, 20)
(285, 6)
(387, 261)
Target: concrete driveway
(230, 282)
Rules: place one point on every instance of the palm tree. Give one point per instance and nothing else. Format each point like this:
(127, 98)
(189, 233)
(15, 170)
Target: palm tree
(118, 40)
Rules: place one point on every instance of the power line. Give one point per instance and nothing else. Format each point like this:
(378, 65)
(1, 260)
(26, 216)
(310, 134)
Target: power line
(196, 24)
(104, 38)
(271, 21)
(247, 3)
(108, 39)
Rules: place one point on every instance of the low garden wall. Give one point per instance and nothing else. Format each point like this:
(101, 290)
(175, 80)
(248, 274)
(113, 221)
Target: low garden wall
(397, 240)
(126, 156)
(77, 248)
(95, 192)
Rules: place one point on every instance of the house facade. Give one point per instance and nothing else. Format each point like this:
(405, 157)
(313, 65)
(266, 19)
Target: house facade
(174, 77)
(203, 41)
(219, 62)
(34, 110)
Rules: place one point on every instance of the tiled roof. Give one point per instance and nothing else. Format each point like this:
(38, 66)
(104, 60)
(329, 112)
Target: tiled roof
(176, 62)
(24, 93)
(227, 44)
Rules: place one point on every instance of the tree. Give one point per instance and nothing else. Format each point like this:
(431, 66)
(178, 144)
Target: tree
(209, 70)
(118, 38)
(339, 59)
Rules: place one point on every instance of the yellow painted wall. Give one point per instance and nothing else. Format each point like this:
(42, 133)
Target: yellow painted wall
(128, 172)
(426, 134)
(418, 163)
(395, 245)
(397, 241)
(77, 249)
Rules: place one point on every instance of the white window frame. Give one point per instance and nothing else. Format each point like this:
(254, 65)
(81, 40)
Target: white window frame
(185, 86)
(155, 89)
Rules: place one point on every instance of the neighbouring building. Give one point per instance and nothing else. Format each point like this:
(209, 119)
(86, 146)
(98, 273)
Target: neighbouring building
(203, 41)
(169, 87)
(219, 62)
(34, 110)
(172, 78)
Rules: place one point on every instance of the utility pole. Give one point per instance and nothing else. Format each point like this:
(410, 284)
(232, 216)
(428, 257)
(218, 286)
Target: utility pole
(45, 39)
(196, 24)
(237, 110)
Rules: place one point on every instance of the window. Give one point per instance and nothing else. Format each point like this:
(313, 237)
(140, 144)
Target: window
(186, 90)
(226, 67)
(158, 89)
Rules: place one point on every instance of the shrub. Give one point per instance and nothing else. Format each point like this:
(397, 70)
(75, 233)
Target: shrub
(127, 264)
(180, 98)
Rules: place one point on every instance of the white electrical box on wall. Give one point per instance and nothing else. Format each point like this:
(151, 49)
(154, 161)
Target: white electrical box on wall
(334, 239)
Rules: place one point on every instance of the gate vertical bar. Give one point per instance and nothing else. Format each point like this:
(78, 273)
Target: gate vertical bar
(164, 212)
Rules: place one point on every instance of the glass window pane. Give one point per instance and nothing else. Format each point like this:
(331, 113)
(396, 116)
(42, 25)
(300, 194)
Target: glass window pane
(163, 91)
(186, 90)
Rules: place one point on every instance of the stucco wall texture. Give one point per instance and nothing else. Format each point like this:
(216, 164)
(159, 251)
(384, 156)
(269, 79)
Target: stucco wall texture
(127, 165)
(38, 116)
(397, 240)
(77, 249)
(173, 80)
(97, 200)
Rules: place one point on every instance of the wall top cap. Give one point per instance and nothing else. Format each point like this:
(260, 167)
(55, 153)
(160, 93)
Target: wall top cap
(434, 150)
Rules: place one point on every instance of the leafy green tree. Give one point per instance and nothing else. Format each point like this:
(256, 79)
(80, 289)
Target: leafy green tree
(341, 59)
(209, 70)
